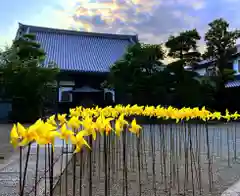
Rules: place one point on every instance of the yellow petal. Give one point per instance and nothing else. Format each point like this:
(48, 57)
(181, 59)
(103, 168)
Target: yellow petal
(41, 141)
(21, 130)
(82, 133)
(73, 139)
(86, 144)
(24, 142)
(14, 142)
(14, 133)
(78, 149)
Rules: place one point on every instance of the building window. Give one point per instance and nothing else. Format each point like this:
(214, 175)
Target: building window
(238, 66)
(66, 97)
(212, 71)
(201, 72)
(107, 93)
(65, 94)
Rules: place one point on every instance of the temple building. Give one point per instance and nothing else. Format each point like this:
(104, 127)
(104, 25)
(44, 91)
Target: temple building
(84, 60)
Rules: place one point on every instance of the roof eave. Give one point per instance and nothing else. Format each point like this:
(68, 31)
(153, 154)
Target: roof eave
(74, 32)
(81, 71)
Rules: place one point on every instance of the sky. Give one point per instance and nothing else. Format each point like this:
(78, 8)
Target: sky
(152, 20)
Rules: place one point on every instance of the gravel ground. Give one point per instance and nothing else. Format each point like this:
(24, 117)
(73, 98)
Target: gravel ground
(222, 178)
(6, 149)
(224, 151)
(224, 170)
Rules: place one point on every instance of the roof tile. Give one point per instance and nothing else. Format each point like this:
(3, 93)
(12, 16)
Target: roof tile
(232, 84)
(81, 51)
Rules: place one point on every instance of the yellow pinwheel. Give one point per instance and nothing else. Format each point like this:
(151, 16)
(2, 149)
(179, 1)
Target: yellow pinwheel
(65, 133)
(74, 123)
(62, 118)
(79, 140)
(28, 135)
(118, 128)
(14, 136)
(51, 120)
(135, 128)
(48, 134)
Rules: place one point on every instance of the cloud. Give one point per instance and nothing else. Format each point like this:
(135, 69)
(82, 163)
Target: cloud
(113, 15)
(194, 4)
(152, 20)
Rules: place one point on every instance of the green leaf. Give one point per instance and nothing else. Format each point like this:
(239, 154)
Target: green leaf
(24, 79)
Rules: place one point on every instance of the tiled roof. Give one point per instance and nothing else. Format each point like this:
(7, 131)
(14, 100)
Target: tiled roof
(206, 63)
(232, 84)
(80, 51)
(203, 64)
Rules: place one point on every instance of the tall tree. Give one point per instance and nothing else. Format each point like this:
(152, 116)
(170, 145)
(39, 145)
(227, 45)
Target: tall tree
(184, 47)
(139, 74)
(221, 45)
(188, 89)
(24, 78)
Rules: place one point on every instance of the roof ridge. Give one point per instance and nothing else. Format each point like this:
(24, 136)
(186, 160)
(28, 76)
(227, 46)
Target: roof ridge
(74, 32)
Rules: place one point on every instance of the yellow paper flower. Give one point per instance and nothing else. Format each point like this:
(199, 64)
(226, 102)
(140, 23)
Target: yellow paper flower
(28, 135)
(235, 116)
(99, 120)
(135, 128)
(62, 118)
(227, 115)
(14, 136)
(74, 123)
(65, 133)
(79, 140)
(89, 127)
(118, 128)
(48, 134)
(74, 112)
(51, 120)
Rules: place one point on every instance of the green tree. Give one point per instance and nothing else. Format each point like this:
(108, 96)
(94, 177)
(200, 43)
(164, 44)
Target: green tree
(188, 89)
(184, 47)
(221, 45)
(24, 78)
(139, 74)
